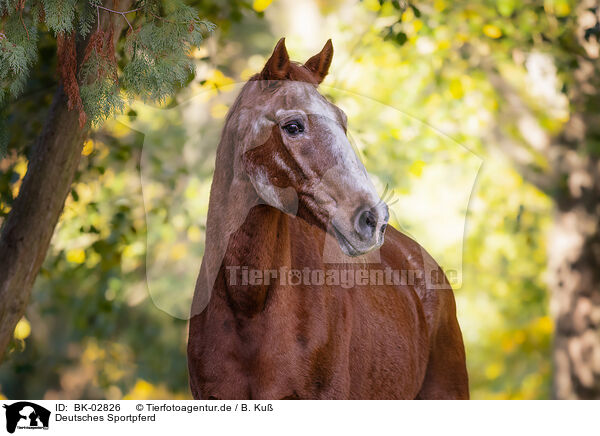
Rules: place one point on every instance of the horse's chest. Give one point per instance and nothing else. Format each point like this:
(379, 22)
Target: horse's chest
(329, 343)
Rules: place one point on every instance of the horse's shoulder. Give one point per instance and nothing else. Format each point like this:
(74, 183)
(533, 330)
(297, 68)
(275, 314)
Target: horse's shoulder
(400, 251)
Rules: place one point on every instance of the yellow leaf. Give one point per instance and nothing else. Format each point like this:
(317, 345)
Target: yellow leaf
(76, 256)
(22, 329)
(194, 234)
(88, 147)
(456, 88)
(372, 5)
(133, 250)
(562, 9)
(462, 37)
(408, 15)
(396, 133)
(493, 370)
(246, 74)
(21, 168)
(439, 5)
(492, 31)
(261, 5)
(199, 52)
(545, 324)
(218, 80)
(4, 208)
(416, 168)
(15, 189)
(443, 44)
(178, 251)
(141, 390)
(219, 111)
(417, 25)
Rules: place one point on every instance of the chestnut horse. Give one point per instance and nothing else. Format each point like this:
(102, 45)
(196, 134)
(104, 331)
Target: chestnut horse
(292, 215)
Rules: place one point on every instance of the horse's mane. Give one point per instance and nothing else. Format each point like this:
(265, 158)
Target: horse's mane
(297, 73)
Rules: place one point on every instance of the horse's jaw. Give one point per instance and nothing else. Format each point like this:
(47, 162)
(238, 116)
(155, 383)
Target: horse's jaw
(349, 248)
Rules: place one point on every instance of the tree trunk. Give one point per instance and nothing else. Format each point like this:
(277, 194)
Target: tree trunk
(574, 249)
(30, 224)
(575, 275)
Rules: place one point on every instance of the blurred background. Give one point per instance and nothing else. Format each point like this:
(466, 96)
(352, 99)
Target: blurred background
(480, 117)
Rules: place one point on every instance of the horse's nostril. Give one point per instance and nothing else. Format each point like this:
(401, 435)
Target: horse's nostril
(366, 224)
(369, 224)
(370, 220)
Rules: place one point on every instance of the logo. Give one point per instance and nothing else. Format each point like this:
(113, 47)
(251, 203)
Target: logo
(26, 415)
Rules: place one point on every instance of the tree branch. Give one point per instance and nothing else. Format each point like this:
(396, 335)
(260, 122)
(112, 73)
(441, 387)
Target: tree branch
(122, 13)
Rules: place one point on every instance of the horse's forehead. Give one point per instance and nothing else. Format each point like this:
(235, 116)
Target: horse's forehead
(304, 96)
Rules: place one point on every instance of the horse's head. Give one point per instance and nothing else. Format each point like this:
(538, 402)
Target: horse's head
(297, 156)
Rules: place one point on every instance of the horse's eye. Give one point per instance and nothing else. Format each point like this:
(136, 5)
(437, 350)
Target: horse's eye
(293, 128)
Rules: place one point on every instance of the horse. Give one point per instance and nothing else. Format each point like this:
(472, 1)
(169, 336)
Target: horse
(292, 215)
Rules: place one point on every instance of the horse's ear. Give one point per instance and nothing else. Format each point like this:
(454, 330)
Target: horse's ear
(319, 63)
(278, 65)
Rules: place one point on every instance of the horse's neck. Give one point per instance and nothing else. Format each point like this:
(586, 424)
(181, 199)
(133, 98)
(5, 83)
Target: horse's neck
(263, 240)
(261, 244)
(236, 223)
(231, 198)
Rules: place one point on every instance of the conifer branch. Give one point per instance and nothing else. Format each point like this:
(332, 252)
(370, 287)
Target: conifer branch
(156, 58)
(20, 7)
(23, 23)
(122, 13)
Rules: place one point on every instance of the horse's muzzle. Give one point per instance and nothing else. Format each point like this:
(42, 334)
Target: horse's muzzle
(366, 233)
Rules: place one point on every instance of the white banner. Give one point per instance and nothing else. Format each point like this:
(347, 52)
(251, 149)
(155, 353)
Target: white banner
(299, 417)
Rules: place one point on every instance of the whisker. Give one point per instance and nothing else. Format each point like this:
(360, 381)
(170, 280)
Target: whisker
(388, 196)
(385, 190)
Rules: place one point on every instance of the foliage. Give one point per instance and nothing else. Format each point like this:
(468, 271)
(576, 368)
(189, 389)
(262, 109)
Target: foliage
(156, 60)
